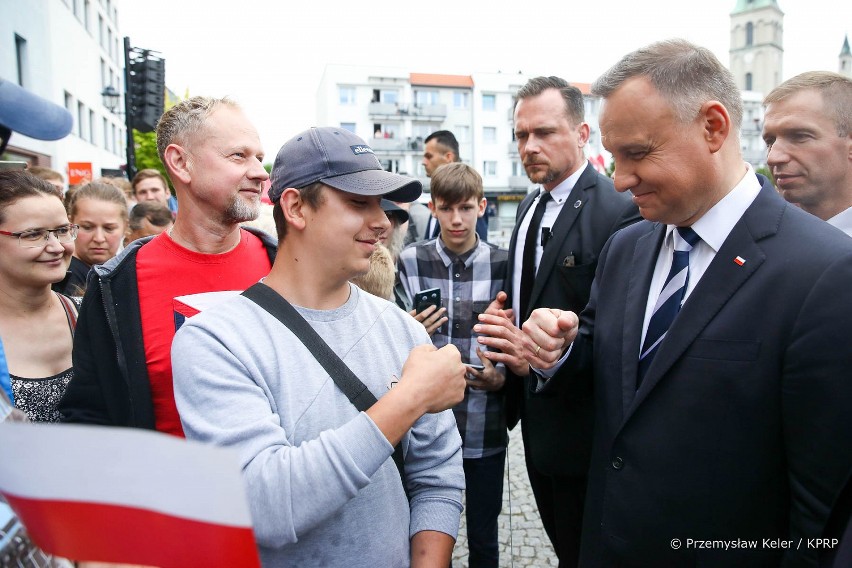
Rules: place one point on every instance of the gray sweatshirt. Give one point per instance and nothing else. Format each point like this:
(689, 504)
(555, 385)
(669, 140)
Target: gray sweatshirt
(322, 488)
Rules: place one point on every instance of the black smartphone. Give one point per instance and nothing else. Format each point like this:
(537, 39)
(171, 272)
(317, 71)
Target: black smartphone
(426, 298)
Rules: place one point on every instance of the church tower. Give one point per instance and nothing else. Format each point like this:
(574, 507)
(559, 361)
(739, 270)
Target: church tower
(845, 64)
(757, 52)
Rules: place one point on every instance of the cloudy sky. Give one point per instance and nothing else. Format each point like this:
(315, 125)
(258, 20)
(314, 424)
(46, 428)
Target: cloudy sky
(270, 55)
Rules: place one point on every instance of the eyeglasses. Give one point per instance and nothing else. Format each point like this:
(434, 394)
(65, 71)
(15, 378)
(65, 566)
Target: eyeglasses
(39, 237)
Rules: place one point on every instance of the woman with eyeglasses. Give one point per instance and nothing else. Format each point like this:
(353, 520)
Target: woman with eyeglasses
(36, 324)
(100, 210)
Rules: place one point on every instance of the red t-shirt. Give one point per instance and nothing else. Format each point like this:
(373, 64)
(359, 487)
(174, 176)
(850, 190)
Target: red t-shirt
(165, 271)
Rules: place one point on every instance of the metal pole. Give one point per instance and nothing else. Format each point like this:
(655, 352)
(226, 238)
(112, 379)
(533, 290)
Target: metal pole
(128, 122)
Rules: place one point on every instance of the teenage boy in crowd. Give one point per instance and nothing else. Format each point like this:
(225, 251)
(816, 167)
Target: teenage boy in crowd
(322, 487)
(469, 272)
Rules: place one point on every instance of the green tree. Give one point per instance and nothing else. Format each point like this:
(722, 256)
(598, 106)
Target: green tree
(146, 151)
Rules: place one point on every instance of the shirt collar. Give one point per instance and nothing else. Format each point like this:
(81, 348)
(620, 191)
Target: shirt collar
(714, 226)
(843, 221)
(449, 257)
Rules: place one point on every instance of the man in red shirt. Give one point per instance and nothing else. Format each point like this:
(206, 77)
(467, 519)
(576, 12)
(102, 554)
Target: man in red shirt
(135, 302)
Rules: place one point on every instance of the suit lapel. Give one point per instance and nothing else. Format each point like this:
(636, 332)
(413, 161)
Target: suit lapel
(645, 254)
(564, 221)
(718, 284)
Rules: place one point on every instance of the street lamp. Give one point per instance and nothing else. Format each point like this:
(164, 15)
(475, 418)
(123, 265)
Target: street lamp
(111, 98)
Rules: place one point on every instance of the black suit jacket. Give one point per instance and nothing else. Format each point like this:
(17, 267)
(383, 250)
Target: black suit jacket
(741, 429)
(558, 425)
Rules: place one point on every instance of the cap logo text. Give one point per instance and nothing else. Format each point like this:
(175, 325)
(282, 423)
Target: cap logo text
(359, 149)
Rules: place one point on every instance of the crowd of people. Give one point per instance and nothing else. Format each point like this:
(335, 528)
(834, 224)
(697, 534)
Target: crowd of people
(670, 340)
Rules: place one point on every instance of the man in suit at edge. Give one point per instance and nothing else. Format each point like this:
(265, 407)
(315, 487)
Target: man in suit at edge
(581, 211)
(731, 447)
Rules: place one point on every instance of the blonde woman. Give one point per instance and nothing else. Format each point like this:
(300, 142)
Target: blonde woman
(100, 209)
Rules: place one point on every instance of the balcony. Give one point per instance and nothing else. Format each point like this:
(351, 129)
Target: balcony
(383, 109)
(519, 182)
(432, 113)
(396, 145)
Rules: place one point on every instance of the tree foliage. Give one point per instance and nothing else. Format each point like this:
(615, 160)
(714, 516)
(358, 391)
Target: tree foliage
(146, 152)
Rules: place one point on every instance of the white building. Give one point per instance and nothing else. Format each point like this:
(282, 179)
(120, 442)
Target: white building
(395, 110)
(67, 51)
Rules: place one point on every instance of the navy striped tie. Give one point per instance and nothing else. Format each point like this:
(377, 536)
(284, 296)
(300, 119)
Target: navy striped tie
(670, 299)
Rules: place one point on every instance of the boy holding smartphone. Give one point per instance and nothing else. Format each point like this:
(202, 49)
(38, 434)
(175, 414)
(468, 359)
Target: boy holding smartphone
(469, 273)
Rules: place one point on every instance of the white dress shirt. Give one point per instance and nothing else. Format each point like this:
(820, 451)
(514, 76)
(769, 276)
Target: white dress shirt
(843, 221)
(559, 195)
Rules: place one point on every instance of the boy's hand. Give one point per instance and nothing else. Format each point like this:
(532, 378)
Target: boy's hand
(488, 379)
(432, 318)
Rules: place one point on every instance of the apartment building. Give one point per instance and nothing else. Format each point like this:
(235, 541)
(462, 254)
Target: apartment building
(395, 110)
(67, 51)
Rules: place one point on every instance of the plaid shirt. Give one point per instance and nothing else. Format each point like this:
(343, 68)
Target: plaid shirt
(468, 284)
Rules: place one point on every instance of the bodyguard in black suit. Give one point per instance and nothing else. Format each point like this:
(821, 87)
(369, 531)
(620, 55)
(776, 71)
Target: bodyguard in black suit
(729, 446)
(580, 212)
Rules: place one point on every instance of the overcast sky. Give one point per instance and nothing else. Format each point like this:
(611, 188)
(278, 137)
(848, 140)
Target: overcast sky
(270, 55)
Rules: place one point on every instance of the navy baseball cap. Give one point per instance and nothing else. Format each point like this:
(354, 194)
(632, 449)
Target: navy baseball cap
(339, 159)
(392, 209)
(28, 114)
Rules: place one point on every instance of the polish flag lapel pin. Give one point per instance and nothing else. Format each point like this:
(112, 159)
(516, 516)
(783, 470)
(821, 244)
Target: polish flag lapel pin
(739, 261)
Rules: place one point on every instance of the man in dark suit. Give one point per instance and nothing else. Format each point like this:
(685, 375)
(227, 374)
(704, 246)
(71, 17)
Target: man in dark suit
(580, 210)
(722, 437)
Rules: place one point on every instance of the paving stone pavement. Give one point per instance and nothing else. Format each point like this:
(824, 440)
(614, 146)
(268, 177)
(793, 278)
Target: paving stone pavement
(523, 542)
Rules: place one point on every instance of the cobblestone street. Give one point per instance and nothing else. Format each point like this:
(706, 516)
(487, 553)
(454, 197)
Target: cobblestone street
(523, 542)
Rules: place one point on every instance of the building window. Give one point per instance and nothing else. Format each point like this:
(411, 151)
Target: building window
(423, 98)
(385, 130)
(350, 126)
(116, 145)
(489, 134)
(462, 132)
(92, 126)
(107, 139)
(388, 96)
(101, 35)
(21, 60)
(518, 168)
(461, 99)
(390, 165)
(749, 33)
(81, 116)
(489, 102)
(748, 82)
(86, 16)
(347, 95)
(489, 168)
(69, 102)
(421, 131)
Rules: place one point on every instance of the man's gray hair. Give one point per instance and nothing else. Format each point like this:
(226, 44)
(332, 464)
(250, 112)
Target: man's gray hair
(685, 74)
(185, 120)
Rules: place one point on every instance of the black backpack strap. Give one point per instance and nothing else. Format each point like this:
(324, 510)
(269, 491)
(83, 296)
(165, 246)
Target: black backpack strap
(356, 391)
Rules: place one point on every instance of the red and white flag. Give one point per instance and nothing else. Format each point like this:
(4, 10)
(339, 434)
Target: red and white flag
(126, 495)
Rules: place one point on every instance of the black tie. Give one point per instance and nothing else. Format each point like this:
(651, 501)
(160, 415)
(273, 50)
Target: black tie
(530, 244)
